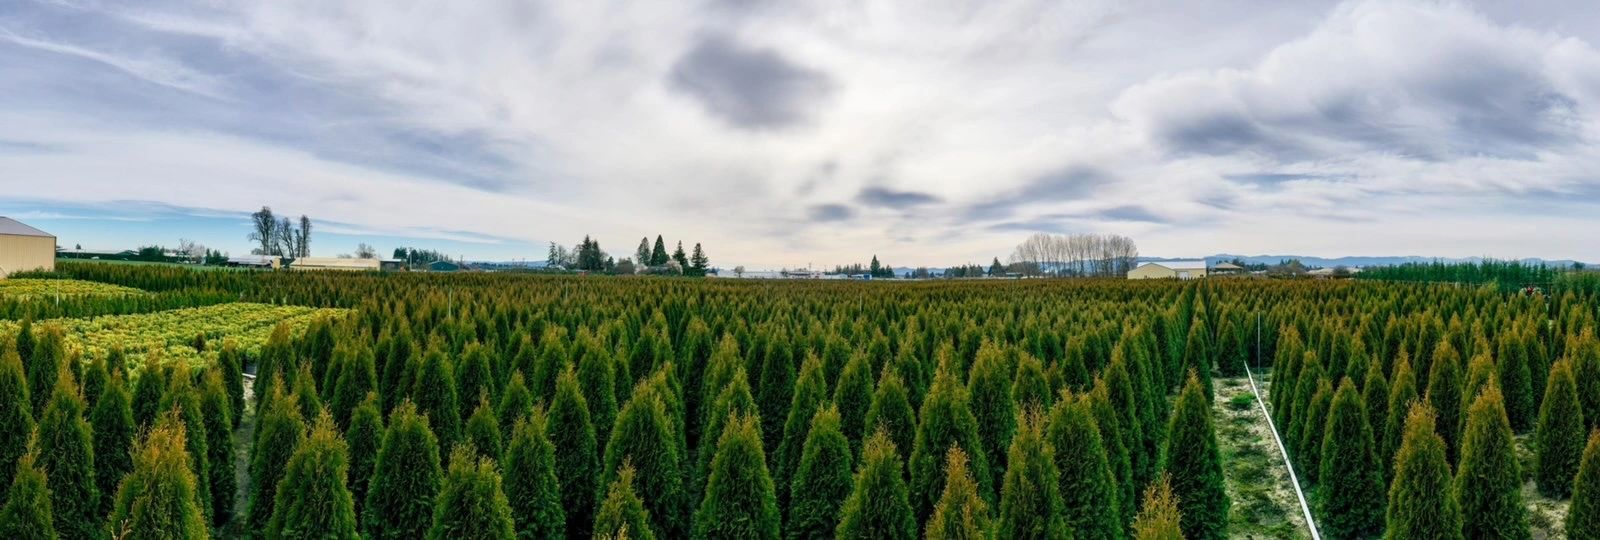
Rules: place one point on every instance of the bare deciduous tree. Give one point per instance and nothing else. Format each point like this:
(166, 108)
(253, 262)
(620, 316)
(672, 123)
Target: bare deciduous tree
(1085, 254)
(265, 230)
(364, 251)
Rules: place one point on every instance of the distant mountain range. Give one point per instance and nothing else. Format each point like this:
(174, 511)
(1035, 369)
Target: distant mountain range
(1353, 261)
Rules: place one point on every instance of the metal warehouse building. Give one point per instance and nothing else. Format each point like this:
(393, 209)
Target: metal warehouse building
(1169, 270)
(24, 248)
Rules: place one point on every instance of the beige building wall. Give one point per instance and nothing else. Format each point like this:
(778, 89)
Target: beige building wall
(23, 253)
(1151, 271)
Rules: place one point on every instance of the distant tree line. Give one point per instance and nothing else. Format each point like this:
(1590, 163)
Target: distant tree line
(279, 236)
(1077, 255)
(588, 256)
(1510, 274)
(417, 257)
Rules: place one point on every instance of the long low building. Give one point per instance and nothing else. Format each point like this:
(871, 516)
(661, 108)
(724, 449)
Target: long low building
(1169, 270)
(24, 248)
(335, 263)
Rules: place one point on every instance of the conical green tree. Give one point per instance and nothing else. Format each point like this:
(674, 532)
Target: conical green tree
(1160, 517)
(1111, 434)
(596, 379)
(516, 403)
(961, 514)
(95, 376)
(1444, 394)
(734, 400)
(1559, 438)
(810, 392)
(1126, 402)
(739, 502)
(622, 514)
(1198, 355)
(1030, 501)
(112, 421)
(1195, 466)
(159, 499)
(878, 506)
(530, 479)
(1089, 493)
(364, 438)
(891, 410)
(989, 389)
(185, 398)
(643, 435)
(26, 513)
(44, 366)
(1375, 393)
(471, 504)
(945, 420)
(16, 412)
(305, 393)
(279, 431)
(1516, 383)
(358, 375)
(231, 361)
(775, 388)
(146, 399)
(1421, 504)
(474, 378)
(853, 394)
(66, 454)
(434, 395)
(483, 430)
(822, 479)
(312, 499)
(1401, 395)
(406, 479)
(1352, 484)
(1488, 484)
(577, 464)
(1308, 453)
(1583, 516)
(1311, 376)
(218, 417)
(1030, 387)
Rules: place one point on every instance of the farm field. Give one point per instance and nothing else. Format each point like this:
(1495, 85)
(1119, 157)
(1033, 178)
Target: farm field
(28, 289)
(559, 406)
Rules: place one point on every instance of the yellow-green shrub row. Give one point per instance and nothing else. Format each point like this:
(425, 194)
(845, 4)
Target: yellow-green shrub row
(23, 289)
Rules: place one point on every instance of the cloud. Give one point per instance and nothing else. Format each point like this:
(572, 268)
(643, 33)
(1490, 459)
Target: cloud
(877, 196)
(151, 69)
(830, 212)
(750, 88)
(1071, 183)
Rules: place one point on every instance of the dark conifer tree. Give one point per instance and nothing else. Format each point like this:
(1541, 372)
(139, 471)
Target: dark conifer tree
(577, 458)
(1516, 385)
(1198, 355)
(1375, 393)
(44, 366)
(159, 498)
(16, 411)
(1421, 504)
(312, 499)
(516, 403)
(1559, 439)
(1583, 516)
(1230, 354)
(1402, 394)
(435, 396)
(1030, 388)
(643, 435)
(1444, 394)
(822, 479)
(1352, 483)
(530, 484)
(622, 514)
(1488, 484)
(775, 389)
(1030, 501)
(1311, 377)
(358, 376)
(595, 378)
(147, 390)
(810, 393)
(483, 430)
(471, 504)
(1195, 466)
(218, 420)
(474, 379)
(405, 481)
(878, 506)
(185, 398)
(961, 514)
(26, 513)
(853, 395)
(734, 400)
(112, 421)
(1089, 494)
(1119, 389)
(891, 410)
(364, 437)
(66, 454)
(94, 381)
(989, 388)
(231, 361)
(306, 394)
(279, 431)
(1308, 451)
(945, 420)
(1111, 433)
(739, 500)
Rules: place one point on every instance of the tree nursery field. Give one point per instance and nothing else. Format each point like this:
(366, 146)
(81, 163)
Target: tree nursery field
(485, 405)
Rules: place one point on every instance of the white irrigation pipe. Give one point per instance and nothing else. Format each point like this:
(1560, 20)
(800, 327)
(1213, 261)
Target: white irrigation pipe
(1311, 523)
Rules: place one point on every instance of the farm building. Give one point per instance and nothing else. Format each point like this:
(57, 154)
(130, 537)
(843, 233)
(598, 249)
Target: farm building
(1169, 270)
(24, 248)
(334, 263)
(254, 261)
(444, 266)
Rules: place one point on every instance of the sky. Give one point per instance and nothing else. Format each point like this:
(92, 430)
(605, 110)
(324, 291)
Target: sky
(930, 132)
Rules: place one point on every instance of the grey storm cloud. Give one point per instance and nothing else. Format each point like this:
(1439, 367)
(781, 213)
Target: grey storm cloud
(750, 88)
(1075, 182)
(830, 212)
(876, 196)
(1132, 213)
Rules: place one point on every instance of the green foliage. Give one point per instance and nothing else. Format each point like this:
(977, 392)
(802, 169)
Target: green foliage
(1444, 394)
(1160, 517)
(159, 498)
(471, 505)
(530, 482)
(279, 431)
(622, 514)
(891, 411)
(1195, 466)
(1401, 396)
(26, 513)
(1559, 438)
(596, 379)
(1516, 382)
(147, 391)
(483, 430)
(16, 416)
(1308, 451)
(1030, 501)
(365, 438)
(739, 500)
(643, 435)
(112, 421)
(853, 393)
(1090, 498)
(1421, 504)
(1351, 489)
(577, 464)
(1488, 483)
(989, 389)
(945, 420)
(878, 506)
(810, 392)
(515, 404)
(434, 394)
(312, 499)
(1198, 355)
(44, 366)
(218, 423)
(822, 479)
(961, 514)
(230, 361)
(66, 454)
(183, 397)
(405, 480)
(474, 379)
(358, 376)
(1583, 517)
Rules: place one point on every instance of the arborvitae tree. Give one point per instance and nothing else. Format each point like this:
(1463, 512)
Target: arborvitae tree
(1197, 355)
(739, 502)
(945, 420)
(147, 390)
(989, 388)
(312, 499)
(595, 378)
(1308, 453)
(483, 430)
(1124, 400)
(276, 359)
(112, 421)
(219, 447)
(1160, 518)
(26, 513)
(364, 437)
(775, 388)
(1444, 394)
(1516, 384)
(358, 376)
(279, 431)
(1030, 502)
(435, 396)
(474, 379)
(1195, 466)
(515, 404)
(16, 411)
(622, 514)
(734, 400)
(94, 381)
(1030, 387)
(66, 454)
(471, 504)
(306, 394)
(1351, 482)
(182, 395)
(25, 341)
(853, 395)
(231, 362)
(1583, 517)
(406, 479)
(1231, 353)
(878, 506)
(890, 410)
(1073, 373)
(1558, 443)
(1421, 504)
(577, 459)
(159, 498)
(961, 514)
(1111, 434)
(1585, 353)
(1311, 376)
(1488, 484)
(394, 387)
(1375, 393)
(44, 366)
(810, 392)
(530, 484)
(1401, 395)
(644, 436)
(1089, 494)
(822, 479)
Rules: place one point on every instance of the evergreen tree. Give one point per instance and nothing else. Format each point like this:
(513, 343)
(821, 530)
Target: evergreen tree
(358, 376)
(1488, 484)
(577, 459)
(1160, 518)
(1401, 395)
(1195, 465)
(312, 499)
(279, 431)
(147, 390)
(1352, 484)
(1230, 353)
(1030, 502)
(531, 485)
(699, 262)
(515, 404)
(961, 514)
(658, 256)
(1421, 504)
(1516, 385)
(1558, 441)
(1375, 393)
(1030, 388)
(1089, 494)
(405, 480)
(775, 389)
(945, 420)
(878, 506)
(474, 379)
(182, 396)
(822, 479)
(1119, 390)
(305, 393)
(890, 410)
(218, 423)
(643, 435)
(44, 367)
(1444, 394)
(734, 400)
(159, 498)
(1583, 516)
(435, 396)
(854, 395)
(483, 430)
(66, 454)
(471, 504)
(26, 513)
(595, 378)
(739, 500)
(622, 514)
(1111, 433)
(231, 361)
(16, 411)
(364, 437)
(1198, 355)
(810, 392)
(94, 381)
(112, 422)
(989, 386)
(1308, 451)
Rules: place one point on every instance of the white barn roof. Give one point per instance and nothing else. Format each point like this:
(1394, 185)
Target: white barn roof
(18, 228)
(1198, 264)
